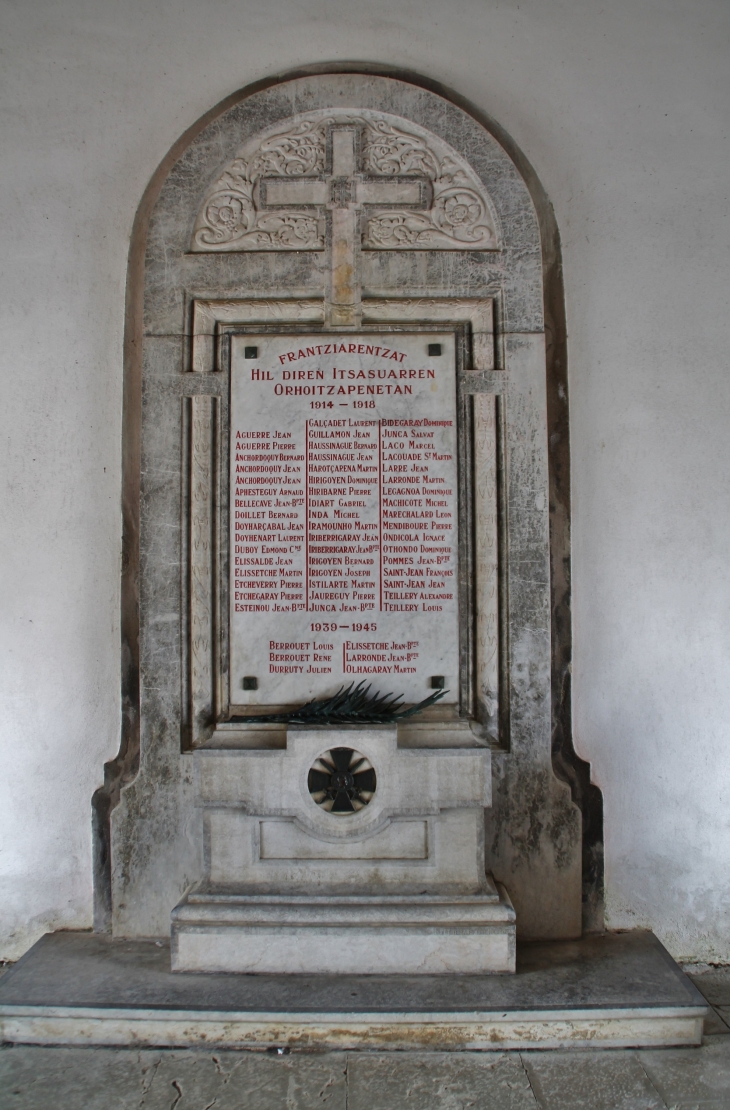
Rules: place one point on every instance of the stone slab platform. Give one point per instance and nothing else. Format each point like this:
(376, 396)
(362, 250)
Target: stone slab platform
(345, 934)
(615, 991)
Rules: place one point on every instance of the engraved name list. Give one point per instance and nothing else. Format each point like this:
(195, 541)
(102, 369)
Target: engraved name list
(343, 514)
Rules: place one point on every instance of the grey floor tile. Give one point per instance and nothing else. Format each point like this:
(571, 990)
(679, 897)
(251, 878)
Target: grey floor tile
(716, 1022)
(192, 1080)
(691, 1078)
(35, 1078)
(714, 985)
(40, 1078)
(438, 1081)
(575, 1080)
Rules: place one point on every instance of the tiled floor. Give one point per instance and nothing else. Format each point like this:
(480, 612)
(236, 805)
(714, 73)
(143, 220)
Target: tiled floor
(33, 1078)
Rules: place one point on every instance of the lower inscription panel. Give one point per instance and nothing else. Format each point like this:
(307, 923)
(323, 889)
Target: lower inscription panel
(344, 515)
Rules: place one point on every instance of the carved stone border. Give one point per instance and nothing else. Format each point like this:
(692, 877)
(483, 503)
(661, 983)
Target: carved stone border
(487, 562)
(203, 420)
(208, 315)
(479, 544)
(479, 313)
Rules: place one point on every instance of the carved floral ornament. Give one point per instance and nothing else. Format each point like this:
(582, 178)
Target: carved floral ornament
(243, 210)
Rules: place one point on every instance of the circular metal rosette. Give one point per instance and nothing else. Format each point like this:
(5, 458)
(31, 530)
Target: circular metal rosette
(342, 781)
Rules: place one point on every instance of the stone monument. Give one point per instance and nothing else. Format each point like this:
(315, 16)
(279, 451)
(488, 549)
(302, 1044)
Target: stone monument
(343, 493)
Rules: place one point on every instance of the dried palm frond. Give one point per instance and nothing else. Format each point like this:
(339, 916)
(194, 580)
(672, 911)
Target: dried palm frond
(354, 705)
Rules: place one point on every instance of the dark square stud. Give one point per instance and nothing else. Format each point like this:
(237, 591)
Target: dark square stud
(437, 682)
(253, 352)
(250, 682)
(434, 348)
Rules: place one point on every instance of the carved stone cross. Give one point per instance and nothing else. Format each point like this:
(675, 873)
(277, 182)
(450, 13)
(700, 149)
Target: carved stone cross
(345, 192)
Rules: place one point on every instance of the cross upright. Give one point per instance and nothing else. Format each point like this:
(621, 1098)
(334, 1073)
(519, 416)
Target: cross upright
(345, 191)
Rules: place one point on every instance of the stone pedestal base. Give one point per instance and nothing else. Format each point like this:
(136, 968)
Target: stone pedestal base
(344, 934)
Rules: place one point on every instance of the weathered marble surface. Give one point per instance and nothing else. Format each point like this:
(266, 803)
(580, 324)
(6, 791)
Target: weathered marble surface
(340, 935)
(533, 834)
(617, 971)
(610, 991)
(399, 886)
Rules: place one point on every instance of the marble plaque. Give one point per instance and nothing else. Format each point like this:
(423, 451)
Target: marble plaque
(343, 515)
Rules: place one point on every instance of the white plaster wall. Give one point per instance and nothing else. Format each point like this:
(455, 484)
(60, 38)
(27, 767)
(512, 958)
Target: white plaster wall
(622, 109)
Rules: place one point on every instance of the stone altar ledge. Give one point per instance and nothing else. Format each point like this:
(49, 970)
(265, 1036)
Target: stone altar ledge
(619, 990)
(333, 934)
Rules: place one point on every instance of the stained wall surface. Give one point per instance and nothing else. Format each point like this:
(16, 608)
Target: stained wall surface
(621, 110)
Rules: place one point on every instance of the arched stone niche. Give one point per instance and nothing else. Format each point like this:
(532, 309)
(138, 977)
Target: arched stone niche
(239, 231)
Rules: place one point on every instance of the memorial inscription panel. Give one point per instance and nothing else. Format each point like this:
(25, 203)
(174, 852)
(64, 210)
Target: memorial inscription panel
(343, 515)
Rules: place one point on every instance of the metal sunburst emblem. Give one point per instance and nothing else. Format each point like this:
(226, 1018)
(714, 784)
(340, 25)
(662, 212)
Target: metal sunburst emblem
(342, 781)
